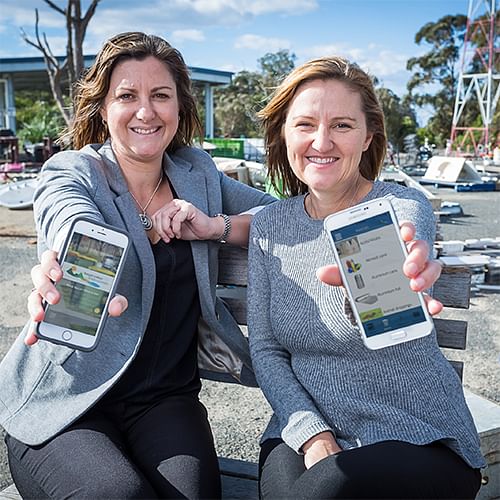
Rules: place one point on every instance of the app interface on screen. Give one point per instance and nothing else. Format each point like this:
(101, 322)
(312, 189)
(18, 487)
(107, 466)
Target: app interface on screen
(372, 259)
(88, 271)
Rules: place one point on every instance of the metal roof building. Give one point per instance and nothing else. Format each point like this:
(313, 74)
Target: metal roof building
(29, 73)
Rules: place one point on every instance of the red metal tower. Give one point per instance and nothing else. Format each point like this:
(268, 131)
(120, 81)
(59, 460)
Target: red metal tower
(482, 85)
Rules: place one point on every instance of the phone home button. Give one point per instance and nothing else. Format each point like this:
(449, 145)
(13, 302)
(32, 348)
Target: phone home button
(399, 335)
(66, 335)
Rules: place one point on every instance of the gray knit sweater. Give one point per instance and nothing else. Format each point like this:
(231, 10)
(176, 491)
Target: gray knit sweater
(310, 360)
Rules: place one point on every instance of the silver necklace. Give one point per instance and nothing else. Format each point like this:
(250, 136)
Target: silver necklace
(146, 221)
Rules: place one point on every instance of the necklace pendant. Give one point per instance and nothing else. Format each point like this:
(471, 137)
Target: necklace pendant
(146, 221)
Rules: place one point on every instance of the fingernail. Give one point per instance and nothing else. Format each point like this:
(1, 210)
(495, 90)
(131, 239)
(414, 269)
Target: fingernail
(51, 297)
(411, 268)
(53, 274)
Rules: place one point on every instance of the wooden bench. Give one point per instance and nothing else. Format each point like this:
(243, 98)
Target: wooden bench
(239, 477)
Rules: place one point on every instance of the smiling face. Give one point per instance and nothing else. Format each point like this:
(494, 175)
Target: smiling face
(325, 134)
(141, 109)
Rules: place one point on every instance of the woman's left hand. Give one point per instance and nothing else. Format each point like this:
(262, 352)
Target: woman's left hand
(182, 220)
(422, 271)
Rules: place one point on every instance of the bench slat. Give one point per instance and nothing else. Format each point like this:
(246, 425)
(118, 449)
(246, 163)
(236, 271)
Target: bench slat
(238, 468)
(453, 287)
(451, 333)
(239, 478)
(236, 301)
(458, 367)
(233, 265)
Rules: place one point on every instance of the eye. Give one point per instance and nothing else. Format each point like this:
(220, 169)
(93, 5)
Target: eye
(343, 126)
(304, 125)
(161, 95)
(126, 96)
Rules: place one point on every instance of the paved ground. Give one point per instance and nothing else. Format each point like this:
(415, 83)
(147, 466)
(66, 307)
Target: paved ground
(239, 414)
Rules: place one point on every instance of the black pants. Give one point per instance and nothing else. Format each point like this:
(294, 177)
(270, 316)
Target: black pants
(390, 469)
(167, 452)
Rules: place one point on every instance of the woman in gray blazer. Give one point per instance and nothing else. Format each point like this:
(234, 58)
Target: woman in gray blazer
(124, 420)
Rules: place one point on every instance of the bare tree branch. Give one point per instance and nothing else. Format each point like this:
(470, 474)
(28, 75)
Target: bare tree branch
(69, 45)
(43, 48)
(81, 25)
(73, 64)
(90, 12)
(55, 7)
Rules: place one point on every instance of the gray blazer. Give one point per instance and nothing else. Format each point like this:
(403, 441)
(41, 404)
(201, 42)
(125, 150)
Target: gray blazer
(46, 387)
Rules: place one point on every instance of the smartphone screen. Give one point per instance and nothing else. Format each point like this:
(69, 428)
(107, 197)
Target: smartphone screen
(89, 268)
(371, 257)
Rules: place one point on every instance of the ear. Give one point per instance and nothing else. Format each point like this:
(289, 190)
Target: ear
(368, 141)
(104, 114)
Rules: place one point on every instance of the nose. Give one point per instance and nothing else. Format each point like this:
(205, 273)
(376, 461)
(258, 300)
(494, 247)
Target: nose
(145, 112)
(322, 139)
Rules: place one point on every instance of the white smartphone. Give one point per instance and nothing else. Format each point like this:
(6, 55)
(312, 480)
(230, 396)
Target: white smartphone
(91, 260)
(370, 254)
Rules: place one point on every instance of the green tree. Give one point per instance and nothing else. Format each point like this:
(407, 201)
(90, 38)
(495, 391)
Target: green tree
(438, 69)
(199, 96)
(236, 104)
(400, 119)
(37, 116)
(425, 134)
(275, 66)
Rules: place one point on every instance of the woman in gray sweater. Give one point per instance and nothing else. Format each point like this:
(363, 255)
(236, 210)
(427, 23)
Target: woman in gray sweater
(349, 422)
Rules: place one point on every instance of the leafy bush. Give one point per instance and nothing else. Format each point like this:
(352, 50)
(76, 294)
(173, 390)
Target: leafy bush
(37, 116)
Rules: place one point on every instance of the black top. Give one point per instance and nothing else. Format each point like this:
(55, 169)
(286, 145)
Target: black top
(166, 363)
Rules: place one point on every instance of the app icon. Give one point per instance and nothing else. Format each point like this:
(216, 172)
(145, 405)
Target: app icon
(352, 267)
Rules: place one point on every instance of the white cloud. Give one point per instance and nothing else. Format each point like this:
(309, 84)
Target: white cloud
(256, 42)
(22, 14)
(189, 35)
(338, 49)
(252, 7)
(232, 68)
(15, 15)
(112, 17)
(387, 65)
(176, 20)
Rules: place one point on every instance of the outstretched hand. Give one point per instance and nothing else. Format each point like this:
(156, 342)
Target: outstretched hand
(422, 271)
(44, 275)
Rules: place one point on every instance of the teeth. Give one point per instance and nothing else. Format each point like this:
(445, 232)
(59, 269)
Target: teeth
(315, 159)
(145, 131)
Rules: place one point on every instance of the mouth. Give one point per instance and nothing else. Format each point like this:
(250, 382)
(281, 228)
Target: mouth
(145, 131)
(322, 160)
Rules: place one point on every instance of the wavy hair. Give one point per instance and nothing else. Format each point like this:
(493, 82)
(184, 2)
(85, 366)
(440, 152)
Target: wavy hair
(87, 126)
(273, 117)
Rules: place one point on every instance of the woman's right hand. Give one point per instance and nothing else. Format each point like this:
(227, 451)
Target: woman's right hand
(319, 447)
(43, 276)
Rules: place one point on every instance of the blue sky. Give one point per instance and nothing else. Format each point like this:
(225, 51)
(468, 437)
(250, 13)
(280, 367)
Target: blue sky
(232, 34)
